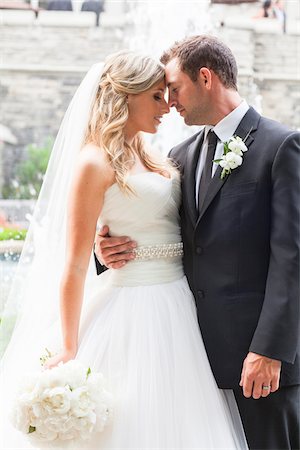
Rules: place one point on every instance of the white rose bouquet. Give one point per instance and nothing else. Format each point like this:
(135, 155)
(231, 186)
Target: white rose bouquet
(64, 404)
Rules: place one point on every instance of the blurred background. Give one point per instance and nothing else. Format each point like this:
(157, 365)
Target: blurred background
(46, 47)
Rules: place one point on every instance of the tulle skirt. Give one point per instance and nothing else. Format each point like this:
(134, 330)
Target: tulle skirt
(147, 343)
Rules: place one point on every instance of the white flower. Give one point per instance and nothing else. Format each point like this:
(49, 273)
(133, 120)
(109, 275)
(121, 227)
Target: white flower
(53, 423)
(50, 379)
(95, 383)
(57, 400)
(81, 401)
(61, 405)
(230, 161)
(237, 145)
(20, 416)
(73, 373)
(43, 433)
(232, 157)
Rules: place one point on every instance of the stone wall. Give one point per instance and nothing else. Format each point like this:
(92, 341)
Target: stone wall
(42, 66)
(56, 46)
(269, 66)
(40, 70)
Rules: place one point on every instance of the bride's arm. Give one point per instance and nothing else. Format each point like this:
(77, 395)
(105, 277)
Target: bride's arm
(91, 178)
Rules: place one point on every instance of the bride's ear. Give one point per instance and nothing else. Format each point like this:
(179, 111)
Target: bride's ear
(130, 101)
(129, 98)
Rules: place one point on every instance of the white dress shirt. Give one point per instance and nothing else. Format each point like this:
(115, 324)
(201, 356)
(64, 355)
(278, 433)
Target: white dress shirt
(224, 130)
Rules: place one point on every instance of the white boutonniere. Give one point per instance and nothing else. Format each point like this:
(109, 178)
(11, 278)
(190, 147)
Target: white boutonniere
(232, 157)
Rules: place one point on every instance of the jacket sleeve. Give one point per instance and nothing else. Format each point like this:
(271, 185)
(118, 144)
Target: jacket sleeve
(99, 267)
(277, 331)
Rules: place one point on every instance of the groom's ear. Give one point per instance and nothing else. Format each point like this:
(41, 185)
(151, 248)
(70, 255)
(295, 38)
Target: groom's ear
(205, 77)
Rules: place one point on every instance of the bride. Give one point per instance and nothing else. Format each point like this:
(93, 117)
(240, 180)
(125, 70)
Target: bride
(137, 325)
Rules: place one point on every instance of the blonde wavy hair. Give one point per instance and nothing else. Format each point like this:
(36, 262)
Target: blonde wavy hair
(124, 73)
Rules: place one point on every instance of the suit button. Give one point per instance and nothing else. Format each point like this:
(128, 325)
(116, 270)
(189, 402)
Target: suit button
(199, 250)
(200, 294)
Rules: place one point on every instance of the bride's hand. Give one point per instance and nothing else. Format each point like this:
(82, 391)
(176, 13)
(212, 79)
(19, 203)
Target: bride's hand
(64, 356)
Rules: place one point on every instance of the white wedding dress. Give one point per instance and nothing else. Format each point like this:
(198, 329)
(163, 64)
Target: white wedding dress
(139, 328)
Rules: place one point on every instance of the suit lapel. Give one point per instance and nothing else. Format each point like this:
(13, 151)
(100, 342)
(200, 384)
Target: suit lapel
(247, 126)
(214, 187)
(245, 129)
(190, 176)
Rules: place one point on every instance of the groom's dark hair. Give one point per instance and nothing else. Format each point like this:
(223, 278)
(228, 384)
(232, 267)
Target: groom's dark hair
(204, 51)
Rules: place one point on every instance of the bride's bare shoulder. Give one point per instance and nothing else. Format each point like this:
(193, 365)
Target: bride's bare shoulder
(91, 153)
(93, 159)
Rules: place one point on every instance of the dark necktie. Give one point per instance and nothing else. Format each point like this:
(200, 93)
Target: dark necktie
(207, 169)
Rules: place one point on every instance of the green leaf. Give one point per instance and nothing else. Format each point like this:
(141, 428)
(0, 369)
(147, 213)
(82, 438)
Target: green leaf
(88, 372)
(31, 429)
(224, 173)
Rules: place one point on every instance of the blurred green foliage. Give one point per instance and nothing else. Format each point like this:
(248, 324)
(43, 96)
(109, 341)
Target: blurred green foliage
(12, 233)
(29, 173)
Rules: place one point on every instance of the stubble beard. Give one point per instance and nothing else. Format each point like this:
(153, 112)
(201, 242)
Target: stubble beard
(193, 117)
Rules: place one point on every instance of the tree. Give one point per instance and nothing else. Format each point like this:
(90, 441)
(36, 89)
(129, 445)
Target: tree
(29, 173)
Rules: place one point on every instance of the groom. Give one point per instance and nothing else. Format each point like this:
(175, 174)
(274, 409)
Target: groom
(240, 229)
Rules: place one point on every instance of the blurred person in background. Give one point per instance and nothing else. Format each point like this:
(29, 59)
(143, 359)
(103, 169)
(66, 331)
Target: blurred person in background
(95, 6)
(60, 5)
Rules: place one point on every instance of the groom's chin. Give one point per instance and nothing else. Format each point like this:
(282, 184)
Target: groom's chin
(188, 121)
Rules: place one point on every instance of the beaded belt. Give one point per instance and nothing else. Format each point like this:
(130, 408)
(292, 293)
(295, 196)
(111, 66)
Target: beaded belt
(159, 251)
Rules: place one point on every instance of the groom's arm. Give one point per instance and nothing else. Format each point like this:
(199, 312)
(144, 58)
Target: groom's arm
(100, 268)
(112, 252)
(277, 333)
(115, 252)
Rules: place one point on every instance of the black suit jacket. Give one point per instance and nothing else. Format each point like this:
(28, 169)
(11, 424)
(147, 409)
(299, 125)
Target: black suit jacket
(99, 267)
(241, 253)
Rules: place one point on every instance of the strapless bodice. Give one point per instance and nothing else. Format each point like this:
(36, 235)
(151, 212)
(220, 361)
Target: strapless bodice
(150, 217)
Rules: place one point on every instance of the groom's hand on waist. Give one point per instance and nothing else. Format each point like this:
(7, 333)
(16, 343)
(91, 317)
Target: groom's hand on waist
(260, 375)
(113, 252)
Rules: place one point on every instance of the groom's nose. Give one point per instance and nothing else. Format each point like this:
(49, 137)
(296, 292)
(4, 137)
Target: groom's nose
(171, 100)
(171, 103)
